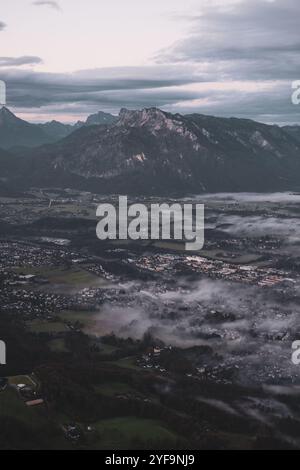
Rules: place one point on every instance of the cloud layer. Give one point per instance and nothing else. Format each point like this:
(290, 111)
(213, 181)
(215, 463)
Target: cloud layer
(46, 3)
(191, 314)
(102, 88)
(19, 61)
(255, 39)
(238, 58)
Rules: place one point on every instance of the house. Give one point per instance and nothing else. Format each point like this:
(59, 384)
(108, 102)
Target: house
(72, 432)
(27, 392)
(157, 351)
(27, 277)
(39, 401)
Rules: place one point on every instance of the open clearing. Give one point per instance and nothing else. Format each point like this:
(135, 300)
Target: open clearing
(42, 326)
(65, 276)
(85, 318)
(121, 433)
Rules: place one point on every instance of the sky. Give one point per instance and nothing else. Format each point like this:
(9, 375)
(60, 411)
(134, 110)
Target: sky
(66, 59)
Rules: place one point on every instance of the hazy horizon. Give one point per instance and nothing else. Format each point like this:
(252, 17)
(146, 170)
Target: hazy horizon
(83, 117)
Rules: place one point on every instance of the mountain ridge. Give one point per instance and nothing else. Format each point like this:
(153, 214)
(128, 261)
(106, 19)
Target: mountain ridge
(16, 133)
(151, 151)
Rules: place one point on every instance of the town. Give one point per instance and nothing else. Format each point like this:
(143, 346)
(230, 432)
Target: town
(130, 328)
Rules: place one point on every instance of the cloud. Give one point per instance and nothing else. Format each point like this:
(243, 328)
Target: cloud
(253, 198)
(89, 90)
(255, 39)
(2, 26)
(258, 226)
(239, 59)
(238, 323)
(176, 88)
(51, 4)
(253, 224)
(19, 61)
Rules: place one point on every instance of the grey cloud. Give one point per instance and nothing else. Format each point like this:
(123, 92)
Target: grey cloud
(114, 87)
(51, 4)
(252, 40)
(2, 25)
(19, 61)
(89, 102)
(257, 38)
(270, 105)
(89, 91)
(135, 87)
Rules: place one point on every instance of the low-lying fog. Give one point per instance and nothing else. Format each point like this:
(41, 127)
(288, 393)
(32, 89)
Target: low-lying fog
(245, 328)
(258, 226)
(275, 198)
(280, 218)
(248, 328)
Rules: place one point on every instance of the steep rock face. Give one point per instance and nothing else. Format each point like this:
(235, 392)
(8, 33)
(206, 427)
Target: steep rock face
(151, 151)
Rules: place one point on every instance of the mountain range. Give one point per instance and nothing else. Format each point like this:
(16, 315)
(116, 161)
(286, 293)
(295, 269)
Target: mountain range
(150, 151)
(16, 133)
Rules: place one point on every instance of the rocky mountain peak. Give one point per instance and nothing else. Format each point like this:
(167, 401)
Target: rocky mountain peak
(100, 118)
(152, 118)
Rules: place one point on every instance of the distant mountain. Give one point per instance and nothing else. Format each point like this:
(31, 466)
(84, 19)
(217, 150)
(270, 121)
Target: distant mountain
(154, 152)
(16, 133)
(56, 130)
(97, 119)
(100, 119)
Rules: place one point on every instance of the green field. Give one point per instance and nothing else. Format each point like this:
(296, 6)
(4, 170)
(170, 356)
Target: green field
(25, 427)
(42, 326)
(243, 259)
(107, 348)
(114, 388)
(71, 276)
(73, 316)
(23, 379)
(170, 245)
(127, 363)
(12, 405)
(128, 432)
(58, 345)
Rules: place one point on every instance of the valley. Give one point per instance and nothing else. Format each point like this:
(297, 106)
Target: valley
(156, 344)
